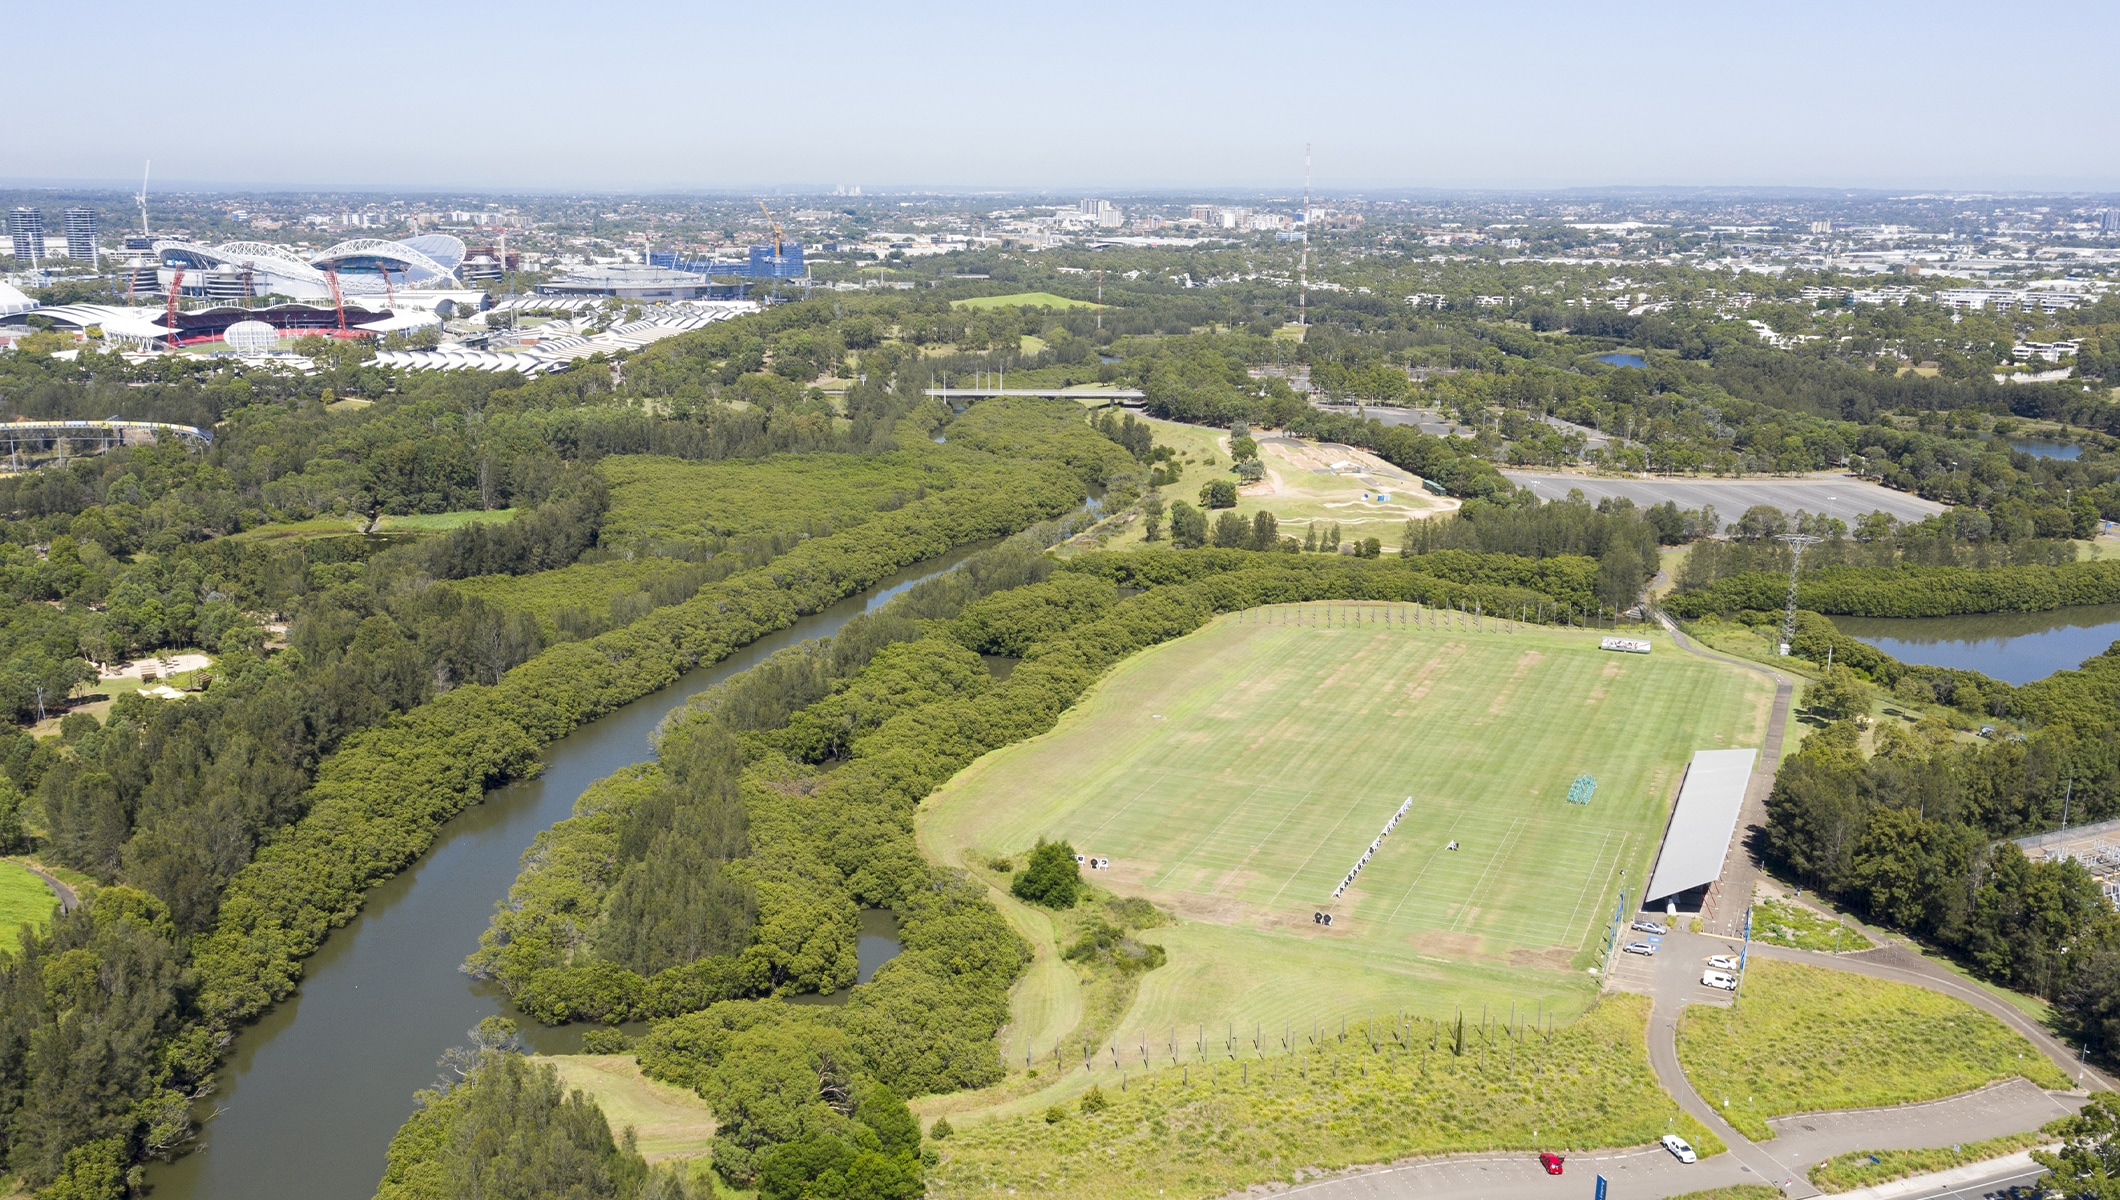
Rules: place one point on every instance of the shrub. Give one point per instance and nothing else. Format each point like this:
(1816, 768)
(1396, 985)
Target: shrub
(1050, 878)
(1093, 1100)
(940, 1129)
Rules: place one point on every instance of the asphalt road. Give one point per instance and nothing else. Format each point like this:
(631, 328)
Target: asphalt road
(1841, 496)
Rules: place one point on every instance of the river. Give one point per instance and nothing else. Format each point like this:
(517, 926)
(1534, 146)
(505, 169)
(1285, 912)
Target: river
(312, 1093)
(2012, 647)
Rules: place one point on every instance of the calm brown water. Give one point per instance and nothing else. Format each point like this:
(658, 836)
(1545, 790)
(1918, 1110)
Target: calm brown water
(313, 1092)
(2012, 647)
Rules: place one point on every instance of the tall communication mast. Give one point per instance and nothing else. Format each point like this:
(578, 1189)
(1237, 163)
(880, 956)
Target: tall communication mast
(142, 197)
(1303, 260)
(1796, 543)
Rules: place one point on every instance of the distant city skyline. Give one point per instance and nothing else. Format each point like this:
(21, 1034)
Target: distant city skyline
(953, 96)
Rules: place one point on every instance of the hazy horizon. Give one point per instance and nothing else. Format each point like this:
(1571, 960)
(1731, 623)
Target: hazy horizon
(956, 99)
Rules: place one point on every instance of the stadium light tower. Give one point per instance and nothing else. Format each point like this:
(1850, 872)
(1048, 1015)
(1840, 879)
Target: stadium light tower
(1796, 542)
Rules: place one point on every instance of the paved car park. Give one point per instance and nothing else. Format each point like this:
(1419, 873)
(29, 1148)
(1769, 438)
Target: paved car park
(1842, 496)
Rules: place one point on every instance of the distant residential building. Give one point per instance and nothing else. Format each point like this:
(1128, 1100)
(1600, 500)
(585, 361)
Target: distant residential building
(2002, 298)
(1102, 213)
(26, 227)
(2052, 352)
(1203, 213)
(81, 233)
(2109, 221)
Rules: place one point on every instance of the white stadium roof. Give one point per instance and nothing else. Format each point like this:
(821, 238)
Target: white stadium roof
(1702, 823)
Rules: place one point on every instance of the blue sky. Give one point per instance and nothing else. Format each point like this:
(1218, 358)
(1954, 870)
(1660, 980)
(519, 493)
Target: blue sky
(1082, 96)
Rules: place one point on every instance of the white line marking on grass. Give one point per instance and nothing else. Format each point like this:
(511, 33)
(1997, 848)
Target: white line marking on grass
(1301, 800)
(1234, 809)
(1432, 860)
(1352, 805)
(1155, 778)
(1575, 912)
(1479, 886)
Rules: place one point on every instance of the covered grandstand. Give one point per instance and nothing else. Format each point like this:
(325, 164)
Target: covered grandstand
(363, 266)
(146, 326)
(1702, 824)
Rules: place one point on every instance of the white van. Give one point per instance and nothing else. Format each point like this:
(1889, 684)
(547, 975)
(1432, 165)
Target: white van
(1719, 979)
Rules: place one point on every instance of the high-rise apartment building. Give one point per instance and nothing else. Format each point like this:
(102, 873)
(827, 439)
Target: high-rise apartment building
(26, 227)
(2109, 222)
(81, 233)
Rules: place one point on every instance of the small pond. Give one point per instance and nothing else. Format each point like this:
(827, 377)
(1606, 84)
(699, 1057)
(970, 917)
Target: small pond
(1624, 360)
(2039, 448)
(876, 943)
(2013, 647)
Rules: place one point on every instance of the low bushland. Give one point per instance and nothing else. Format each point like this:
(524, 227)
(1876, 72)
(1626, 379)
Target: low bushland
(1781, 923)
(1383, 1091)
(1809, 1039)
(1908, 591)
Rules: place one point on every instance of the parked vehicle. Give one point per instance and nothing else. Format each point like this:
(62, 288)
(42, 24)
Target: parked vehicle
(1640, 947)
(1680, 1148)
(1719, 979)
(1551, 1161)
(1723, 962)
(1649, 927)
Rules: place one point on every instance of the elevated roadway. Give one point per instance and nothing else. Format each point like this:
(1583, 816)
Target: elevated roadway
(15, 433)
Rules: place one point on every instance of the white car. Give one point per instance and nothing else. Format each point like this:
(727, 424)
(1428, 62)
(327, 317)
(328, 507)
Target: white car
(1680, 1149)
(1723, 962)
(1640, 947)
(1719, 979)
(1648, 927)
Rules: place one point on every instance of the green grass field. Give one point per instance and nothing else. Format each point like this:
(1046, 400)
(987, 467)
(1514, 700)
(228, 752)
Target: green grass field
(1022, 300)
(24, 900)
(669, 1122)
(1235, 775)
(443, 522)
(1809, 1039)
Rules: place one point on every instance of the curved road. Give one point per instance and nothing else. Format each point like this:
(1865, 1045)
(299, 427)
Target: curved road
(1672, 979)
(68, 901)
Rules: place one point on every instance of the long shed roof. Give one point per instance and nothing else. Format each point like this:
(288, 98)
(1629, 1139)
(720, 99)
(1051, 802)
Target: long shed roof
(1702, 823)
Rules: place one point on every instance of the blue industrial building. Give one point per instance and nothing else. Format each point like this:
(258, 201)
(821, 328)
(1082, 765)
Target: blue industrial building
(763, 263)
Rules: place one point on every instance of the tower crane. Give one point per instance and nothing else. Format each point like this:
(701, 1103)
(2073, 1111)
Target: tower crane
(778, 254)
(775, 227)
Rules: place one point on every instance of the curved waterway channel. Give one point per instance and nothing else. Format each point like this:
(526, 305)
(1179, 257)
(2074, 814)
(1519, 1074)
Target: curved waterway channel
(312, 1094)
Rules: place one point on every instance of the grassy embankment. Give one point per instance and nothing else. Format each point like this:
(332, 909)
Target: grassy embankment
(24, 900)
(1388, 1091)
(1862, 1168)
(1810, 1039)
